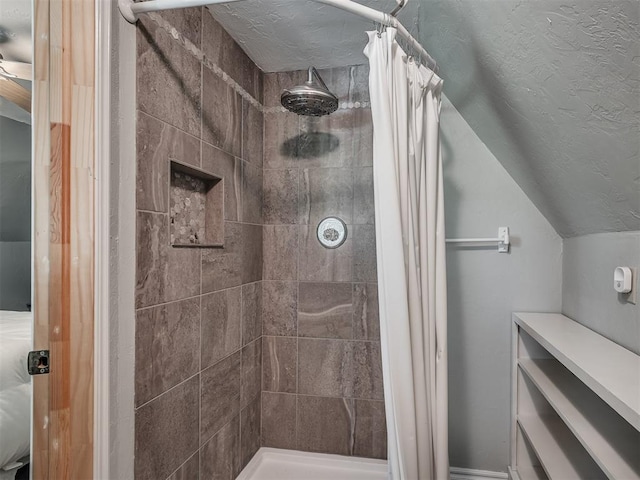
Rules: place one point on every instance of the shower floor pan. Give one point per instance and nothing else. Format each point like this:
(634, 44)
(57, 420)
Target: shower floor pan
(277, 464)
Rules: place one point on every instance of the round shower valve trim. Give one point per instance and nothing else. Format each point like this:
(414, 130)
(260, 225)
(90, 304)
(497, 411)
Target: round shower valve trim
(332, 232)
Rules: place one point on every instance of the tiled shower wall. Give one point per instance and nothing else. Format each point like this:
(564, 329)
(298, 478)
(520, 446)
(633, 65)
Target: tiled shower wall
(210, 334)
(198, 322)
(322, 374)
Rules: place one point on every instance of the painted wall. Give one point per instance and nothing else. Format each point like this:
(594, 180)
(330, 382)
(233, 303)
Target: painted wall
(322, 370)
(15, 215)
(587, 286)
(485, 287)
(122, 231)
(198, 349)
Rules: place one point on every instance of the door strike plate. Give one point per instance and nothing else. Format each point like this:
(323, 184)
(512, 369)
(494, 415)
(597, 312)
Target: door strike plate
(38, 362)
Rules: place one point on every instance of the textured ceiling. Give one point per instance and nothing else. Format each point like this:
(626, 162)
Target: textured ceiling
(552, 87)
(15, 45)
(15, 30)
(283, 35)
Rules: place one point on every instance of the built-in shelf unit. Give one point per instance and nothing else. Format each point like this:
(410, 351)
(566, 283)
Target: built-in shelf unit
(575, 402)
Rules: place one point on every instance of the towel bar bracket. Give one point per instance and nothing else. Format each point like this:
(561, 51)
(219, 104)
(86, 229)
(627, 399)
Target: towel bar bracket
(503, 240)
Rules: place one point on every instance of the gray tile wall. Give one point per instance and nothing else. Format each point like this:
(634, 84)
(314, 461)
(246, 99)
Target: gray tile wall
(198, 323)
(322, 373)
(272, 340)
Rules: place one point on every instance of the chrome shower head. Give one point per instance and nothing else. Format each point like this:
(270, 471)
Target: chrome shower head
(312, 99)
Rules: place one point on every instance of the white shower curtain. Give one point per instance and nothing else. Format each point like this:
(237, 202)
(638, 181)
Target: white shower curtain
(409, 214)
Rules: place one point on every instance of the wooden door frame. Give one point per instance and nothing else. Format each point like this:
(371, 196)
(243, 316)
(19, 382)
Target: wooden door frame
(72, 157)
(64, 237)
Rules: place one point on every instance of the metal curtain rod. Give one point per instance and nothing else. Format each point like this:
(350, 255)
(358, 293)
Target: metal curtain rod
(503, 240)
(131, 10)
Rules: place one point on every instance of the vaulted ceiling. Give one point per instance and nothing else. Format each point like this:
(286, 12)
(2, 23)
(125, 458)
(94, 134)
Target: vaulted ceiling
(552, 87)
(15, 46)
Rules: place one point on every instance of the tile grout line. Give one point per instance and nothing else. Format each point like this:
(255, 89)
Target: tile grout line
(241, 183)
(222, 359)
(191, 297)
(353, 311)
(170, 125)
(201, 85)
(185, 462)
(332, 397)
(200, 385)
(328, 339)
(331, 282)
(298, 248)
(261, 443)
(201, 163)
(182, 382)
(241, 385)
(209, 438)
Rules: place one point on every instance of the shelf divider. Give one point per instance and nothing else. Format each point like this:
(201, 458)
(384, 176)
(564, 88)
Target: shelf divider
(611, 371)
(561, 455)
(610, 440)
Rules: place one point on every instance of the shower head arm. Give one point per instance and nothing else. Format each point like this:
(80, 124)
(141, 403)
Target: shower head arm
(314, 73)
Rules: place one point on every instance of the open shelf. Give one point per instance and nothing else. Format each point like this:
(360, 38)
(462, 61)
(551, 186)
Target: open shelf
(560, 454)
(613, 443)
(575, 402)
(611, 371)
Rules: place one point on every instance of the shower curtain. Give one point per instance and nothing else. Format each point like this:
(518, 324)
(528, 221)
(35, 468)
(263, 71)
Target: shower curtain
(410, 239)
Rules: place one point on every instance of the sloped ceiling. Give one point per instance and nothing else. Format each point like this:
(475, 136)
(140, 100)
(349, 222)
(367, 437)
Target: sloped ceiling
(552, 87)
(15, 45)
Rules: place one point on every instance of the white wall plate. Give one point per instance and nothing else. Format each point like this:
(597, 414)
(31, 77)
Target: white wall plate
(332, 232)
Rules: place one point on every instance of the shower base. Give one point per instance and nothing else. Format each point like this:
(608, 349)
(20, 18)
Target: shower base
(277, 464)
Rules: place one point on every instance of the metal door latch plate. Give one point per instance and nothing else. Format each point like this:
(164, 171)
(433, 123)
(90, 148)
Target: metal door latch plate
(38, 362)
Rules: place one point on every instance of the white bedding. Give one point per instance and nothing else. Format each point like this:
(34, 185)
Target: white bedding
(15, 386)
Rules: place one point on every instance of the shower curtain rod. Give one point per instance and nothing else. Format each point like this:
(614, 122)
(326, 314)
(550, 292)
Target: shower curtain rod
(130, 11)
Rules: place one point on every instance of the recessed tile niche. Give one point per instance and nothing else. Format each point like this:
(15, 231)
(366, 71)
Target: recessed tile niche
(196, 207)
